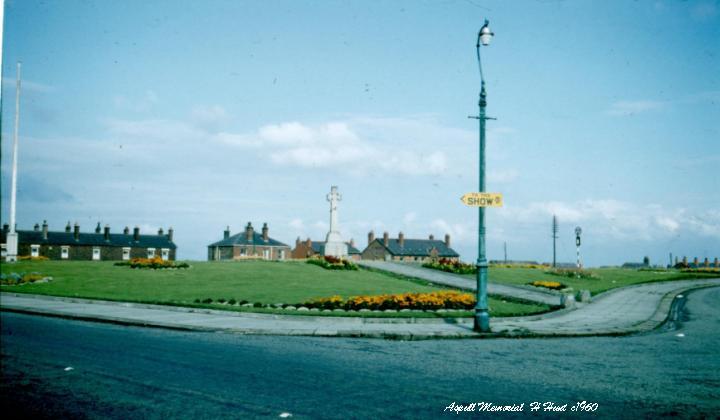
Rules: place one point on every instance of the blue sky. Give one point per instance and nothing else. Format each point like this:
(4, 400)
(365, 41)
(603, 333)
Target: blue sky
(198, 115)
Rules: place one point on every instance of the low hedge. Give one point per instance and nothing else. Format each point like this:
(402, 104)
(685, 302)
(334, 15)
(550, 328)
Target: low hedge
(151, 263)
(451, 266)
(333, 263)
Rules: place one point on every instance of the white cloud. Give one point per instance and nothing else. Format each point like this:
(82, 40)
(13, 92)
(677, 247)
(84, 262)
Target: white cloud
(209, 117)
(627, 108)
(297, 224)
(138, 104)
(409, 218)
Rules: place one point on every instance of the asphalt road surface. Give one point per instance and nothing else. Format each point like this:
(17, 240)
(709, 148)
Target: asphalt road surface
(71, 369)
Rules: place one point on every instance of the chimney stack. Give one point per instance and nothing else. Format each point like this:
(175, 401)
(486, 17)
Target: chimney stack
(107, 233)
(170, 234)
(226, 233)
(706, 263)
(431, 237)
(695, 261)
(161, 232)
(45, 231)
(68, 229)
(97, 228)
(447, 240)
(36, 228)
(386, 239)
(265, 232)
(352, 242)
(684, 260)
(297, 242)
(715, 263)
(371, 237)
(126, 231)
(249, 232)
(6, 228)
(136, 233)
(308, 243)
(401, 239)
(76, 232)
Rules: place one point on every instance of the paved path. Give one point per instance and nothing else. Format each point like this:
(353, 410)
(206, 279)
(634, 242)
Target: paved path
(626, 310)
(462, 282)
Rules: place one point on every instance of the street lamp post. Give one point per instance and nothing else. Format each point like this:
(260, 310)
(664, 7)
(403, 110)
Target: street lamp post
(482, 317)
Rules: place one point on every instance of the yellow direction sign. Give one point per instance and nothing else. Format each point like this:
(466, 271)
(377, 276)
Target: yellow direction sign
(477, 199)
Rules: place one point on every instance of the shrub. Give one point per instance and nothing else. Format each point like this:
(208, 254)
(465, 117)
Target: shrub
(13, 279)
(232, 301)
(451, 266)
(208, 300)
(29, 258)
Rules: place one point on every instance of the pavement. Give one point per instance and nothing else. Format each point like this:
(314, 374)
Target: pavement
(620, 311)
(461, 282)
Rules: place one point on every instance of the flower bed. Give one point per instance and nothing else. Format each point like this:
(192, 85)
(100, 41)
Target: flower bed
(572, 273)
(29, 258)
(333, 263)
(451, 266)
(153, 263)
(554, 285)
(419, 301)
(708, 270)
(509, 265)
(14, 279)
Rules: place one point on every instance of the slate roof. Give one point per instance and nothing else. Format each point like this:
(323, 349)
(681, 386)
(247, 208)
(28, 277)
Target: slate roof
(418, 247)
(318, 247)
(92, 239)
(241, 239)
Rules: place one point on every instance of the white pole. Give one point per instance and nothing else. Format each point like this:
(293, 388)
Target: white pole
(12, 238)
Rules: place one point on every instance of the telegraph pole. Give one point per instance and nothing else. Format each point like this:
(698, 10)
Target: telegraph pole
(554, 236)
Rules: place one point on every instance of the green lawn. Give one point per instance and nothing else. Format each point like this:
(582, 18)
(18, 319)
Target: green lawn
(608, 278)
(254, 281)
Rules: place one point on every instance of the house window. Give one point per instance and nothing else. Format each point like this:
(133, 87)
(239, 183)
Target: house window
(96, 254)
(282, 254)
(165, 253)
(34, 250)
(64, 252)
(266, 254)
(151, 252)
(3, 250)
(242, 252)
(126, 254)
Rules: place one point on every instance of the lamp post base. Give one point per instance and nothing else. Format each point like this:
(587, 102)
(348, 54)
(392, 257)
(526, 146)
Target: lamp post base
(482, 320)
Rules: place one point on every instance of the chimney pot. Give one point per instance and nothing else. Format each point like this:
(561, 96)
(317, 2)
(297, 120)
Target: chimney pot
(97, 228)
(431, 237)
(297, 242)
(249, 232)
(76, 231)
(401, 239)
(170, 234)
(68, 229)
(371, 237)
(36, 228)
(136, 233)
(447, 240)
(386, 239)
(107, 232)
(161, 232)
(352, 242)
(226, 233)
(6, 228)
(308, 243)
(45, 230)
(126, 231)
(265, 232)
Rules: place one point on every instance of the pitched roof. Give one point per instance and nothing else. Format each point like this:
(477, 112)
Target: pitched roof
(318, 247)
(241, 239)
(418, 247)
(92, 239)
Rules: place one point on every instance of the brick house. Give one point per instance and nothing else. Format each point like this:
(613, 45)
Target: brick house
(308, 248)
(402, 249)
(99, 246)
(248, 245)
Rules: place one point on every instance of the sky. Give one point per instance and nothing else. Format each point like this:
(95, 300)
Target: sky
(202, 115)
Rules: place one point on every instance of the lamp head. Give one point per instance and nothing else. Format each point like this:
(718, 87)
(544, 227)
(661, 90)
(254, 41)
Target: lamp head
(485, 34)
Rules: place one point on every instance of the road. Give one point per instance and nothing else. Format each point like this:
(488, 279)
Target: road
(131, 372)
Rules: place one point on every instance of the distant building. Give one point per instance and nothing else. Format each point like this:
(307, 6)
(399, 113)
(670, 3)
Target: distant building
(402, 249)
(99, 246)
(248, 245)
(308, 248)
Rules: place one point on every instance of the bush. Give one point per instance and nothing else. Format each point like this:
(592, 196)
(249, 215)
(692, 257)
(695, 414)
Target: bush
(333, 263)
(451, 266)
(418, 301)
(29, 258)
(13, 279)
